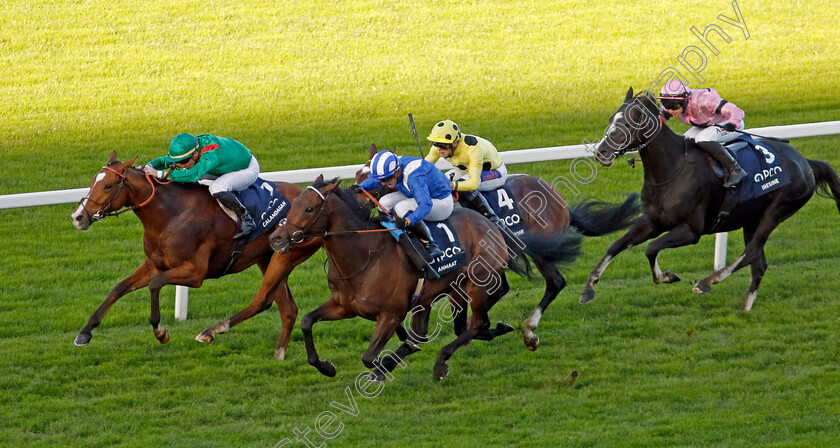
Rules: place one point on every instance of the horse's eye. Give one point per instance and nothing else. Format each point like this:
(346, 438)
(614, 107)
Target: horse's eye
(109, 186)
(309, 209)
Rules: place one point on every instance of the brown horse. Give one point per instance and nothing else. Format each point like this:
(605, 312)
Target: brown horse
(187, 238)
(546, 215)
(371, 276)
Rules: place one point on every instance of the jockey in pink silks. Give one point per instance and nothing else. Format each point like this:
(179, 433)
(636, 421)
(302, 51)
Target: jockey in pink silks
(714, 121)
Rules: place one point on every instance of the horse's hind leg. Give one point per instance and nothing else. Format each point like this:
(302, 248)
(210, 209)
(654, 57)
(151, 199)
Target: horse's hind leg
(753, 255)
(329, 310)
(554, 283)
(138, 279)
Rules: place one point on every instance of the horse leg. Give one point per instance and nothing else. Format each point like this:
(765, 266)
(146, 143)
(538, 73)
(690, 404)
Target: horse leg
(386, 325)
(554, 283)
(419, 329)
(679, 236)
(501, 327)
(639, 233)
(187, 275)
(329, 310)
(753, 254)
(138, 279)
(478, 323)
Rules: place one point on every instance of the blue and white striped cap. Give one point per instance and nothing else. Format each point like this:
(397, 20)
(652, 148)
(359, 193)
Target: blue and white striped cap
(384, 164)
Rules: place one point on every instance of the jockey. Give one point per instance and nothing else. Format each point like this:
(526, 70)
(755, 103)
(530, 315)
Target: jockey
(226, 162)
(714, 121)
(423, 193)
(478, 166)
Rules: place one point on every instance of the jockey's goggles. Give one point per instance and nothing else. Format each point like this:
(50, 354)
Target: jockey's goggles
(385, 180)
(673, 103)
(440, 145)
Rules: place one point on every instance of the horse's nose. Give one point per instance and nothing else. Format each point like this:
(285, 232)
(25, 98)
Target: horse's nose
(279, 241)
(80, 220)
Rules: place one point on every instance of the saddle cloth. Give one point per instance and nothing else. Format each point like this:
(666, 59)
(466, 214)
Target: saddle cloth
(446, 238)
(762, 164)
(501, 200)
(264, 203)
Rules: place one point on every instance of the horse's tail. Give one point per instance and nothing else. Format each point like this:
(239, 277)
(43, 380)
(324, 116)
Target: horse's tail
(596, 218)
(560, 249)
(827, 179)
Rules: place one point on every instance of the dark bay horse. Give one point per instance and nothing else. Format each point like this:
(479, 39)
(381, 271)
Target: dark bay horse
(545, 214)
(682, 196)
(187, 239)
(371, 276)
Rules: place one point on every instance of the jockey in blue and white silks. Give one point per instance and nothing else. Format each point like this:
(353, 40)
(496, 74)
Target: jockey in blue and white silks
(423, 192)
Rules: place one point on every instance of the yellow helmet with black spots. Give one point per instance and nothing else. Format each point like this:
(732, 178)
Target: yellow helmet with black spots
(445, 132)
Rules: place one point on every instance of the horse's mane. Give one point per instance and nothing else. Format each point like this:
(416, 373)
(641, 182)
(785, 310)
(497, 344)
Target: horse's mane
(360, 211)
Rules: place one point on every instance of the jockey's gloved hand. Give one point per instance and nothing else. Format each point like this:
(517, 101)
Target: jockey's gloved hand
(729, 126)
(400, 223)
(382, 217)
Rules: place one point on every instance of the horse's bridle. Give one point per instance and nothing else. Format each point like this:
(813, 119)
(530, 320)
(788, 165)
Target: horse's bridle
(300, 235)
(101, 213)
(634, 135)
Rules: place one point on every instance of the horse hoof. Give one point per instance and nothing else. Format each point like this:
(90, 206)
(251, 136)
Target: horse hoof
(587, 295)
(503, 328)
(532, 341)
(441, 372)
(162, 335)
(376, 375)
(701, 287)
(280, 354)
(667, 277)
(326, 368)
(82, 339)
(204, 337)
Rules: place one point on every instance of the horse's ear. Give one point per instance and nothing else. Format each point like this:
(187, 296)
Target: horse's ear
(126, 165)
(330, 188)
(629, 95)
(113, 158)
(318, 179)
(372, 150)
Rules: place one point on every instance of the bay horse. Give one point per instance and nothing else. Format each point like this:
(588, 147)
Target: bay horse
(682, 197)
(545, 214)
(187, 238)
(371, 276)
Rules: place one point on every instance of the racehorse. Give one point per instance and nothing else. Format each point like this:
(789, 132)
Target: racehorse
(683, 197)
(187, 238)
(545, 214)
(371, 276)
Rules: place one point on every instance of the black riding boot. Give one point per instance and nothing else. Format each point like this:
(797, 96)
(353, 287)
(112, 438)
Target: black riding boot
(476, 201)
(422, 232)
(735, 172)
(246, 223)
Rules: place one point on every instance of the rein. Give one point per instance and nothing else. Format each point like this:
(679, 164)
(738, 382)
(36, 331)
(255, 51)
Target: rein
(99, 215)
(298, 236)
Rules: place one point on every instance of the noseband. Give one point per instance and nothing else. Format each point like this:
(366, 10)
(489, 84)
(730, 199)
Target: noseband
(301, 234)
(101, 213)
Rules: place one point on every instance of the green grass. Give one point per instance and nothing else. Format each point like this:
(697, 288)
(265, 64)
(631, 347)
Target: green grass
(313, 84)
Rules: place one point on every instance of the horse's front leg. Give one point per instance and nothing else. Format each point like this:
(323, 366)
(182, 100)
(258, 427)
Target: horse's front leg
(639, 233)
(679, 236)
(186, 275)
(138, 279)
(329, 310)
(386, 325)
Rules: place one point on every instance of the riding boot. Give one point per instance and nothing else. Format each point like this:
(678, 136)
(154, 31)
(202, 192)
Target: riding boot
(246, 223)
(735, 172)
(419, 228)
(477, 202)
